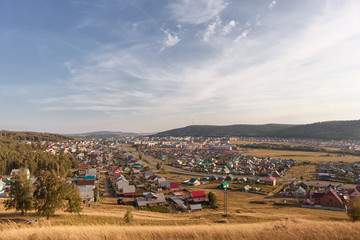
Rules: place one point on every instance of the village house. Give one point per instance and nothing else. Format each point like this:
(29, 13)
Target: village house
(300, 192)
(197, 197)
(270, 181)
(151, 199)
(329, 198)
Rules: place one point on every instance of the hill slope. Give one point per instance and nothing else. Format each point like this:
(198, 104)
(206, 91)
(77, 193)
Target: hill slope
(104, 134)
(33, 136)
(332, 130)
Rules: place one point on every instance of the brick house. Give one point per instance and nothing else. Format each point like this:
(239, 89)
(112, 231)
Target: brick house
(329, 198)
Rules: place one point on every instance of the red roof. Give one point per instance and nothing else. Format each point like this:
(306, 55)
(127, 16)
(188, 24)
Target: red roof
(272, 178)
(85, 182)
(174, 185)
(198, 194)
(84, 165)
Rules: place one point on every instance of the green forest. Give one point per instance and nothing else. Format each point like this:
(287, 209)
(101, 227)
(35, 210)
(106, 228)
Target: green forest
(34, 136)
(16, 154)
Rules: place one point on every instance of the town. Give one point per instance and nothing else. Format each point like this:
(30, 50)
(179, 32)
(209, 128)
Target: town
(169, 175)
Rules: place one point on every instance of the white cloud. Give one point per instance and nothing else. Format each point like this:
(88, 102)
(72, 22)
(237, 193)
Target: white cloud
(272, 5)
(171, 40)
(242, 35)
(211, 29)
(197, 11)
(228, 27)
(275, 75)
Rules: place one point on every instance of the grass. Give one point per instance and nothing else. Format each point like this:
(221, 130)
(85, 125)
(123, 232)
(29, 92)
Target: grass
(301, 155)
(282, 229)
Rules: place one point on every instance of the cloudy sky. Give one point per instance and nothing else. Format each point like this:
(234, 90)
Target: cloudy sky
(152, 65)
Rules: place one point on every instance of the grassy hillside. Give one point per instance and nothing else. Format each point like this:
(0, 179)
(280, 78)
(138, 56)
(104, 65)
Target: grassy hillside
(334, 130)
(286, 229)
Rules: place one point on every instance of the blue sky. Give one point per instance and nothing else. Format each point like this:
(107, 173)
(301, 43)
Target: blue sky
(152, 65)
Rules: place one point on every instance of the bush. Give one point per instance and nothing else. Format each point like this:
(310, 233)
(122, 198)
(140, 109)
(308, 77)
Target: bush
(354, 209)
(128, 217)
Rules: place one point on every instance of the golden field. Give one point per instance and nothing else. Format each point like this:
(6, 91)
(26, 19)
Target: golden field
(301, 155)
(285, 229)
(245, 220)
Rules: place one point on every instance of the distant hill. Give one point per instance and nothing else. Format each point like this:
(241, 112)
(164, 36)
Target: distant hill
(33, 136)
(332, 130)
(105, 134)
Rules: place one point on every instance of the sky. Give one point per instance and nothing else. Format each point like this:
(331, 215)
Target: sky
(152, 65)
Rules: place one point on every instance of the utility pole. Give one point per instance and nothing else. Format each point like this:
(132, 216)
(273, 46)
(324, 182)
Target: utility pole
(225, 202)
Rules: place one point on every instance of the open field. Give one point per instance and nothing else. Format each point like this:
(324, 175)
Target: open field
(301, 155)
(245, 220)
(284, 229)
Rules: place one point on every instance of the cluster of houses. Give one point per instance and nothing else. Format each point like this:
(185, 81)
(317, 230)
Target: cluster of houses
(331, 196)
(146, 189)
(339, 170)
(222, 162)
(86, 181)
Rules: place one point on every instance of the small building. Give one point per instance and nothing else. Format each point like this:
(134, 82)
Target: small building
(151, 199)
(198, 197)
(246, 188)
(194, 207)
(300, 192)
(194, 182)
(129, 191)
(174, 186)
(229, 177)
(223, 185)
(270, 181)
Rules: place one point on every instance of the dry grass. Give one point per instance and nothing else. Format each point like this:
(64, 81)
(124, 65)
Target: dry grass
(301, 156)
(284, 229)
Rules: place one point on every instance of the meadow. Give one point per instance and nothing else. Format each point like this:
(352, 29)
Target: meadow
(246, 219)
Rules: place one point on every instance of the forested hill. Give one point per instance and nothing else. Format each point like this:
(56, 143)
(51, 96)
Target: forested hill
(332, 130)
(16, 154)
(34, 136)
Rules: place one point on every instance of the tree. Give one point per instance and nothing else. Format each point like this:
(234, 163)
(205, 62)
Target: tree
(158, 166)
(354, 209)
(128, 218)
(22, 193)
(73, 199)
(49, 194)
(301, 178)
(212, 198)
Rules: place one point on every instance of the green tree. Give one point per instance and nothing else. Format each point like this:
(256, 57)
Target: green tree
(128, 217)
(73, 200)
(158, 166)
(354, 209)
(49, 194)
(212, 198)
(21, 193)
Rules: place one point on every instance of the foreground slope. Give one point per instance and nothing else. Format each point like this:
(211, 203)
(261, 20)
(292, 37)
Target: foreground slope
(285, 229)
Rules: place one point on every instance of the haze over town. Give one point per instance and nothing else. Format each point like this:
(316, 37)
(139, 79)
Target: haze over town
(145, 66)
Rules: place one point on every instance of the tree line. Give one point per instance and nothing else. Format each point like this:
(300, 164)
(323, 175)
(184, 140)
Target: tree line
(48, 194)
(34, 136)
